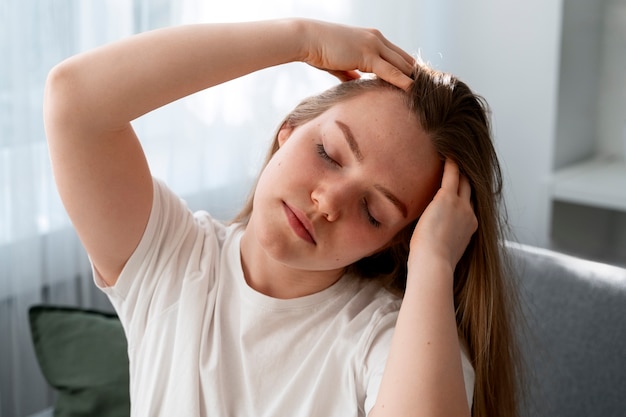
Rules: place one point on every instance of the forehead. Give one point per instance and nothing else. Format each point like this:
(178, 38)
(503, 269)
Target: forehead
(377, 115)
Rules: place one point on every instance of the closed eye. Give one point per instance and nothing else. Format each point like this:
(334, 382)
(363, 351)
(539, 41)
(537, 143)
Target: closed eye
(371, 219)
(322, 153)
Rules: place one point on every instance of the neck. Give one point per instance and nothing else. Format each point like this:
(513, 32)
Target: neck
(277, 279)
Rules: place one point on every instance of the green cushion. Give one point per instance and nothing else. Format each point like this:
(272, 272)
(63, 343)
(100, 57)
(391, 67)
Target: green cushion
(82, 354)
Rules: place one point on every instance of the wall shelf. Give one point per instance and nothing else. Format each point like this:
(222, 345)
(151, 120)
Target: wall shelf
(598, 182)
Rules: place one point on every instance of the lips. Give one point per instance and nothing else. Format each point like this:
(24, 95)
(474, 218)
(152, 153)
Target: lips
(300, 224)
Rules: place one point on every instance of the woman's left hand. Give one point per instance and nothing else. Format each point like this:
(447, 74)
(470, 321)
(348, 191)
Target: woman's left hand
(448, 223)
(424, 368)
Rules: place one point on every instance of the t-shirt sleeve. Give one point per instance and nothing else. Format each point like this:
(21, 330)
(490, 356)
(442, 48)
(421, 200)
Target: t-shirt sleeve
(174, 257)
(376, 360)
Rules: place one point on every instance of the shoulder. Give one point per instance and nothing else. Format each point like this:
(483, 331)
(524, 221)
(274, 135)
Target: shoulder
(177, 244)
(172, 216)
(179, 237)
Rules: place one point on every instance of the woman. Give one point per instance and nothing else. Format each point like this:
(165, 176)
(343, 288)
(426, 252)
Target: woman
(373, 184)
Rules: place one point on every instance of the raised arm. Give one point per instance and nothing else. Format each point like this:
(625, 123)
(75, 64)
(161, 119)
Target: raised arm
(90, 99)
(424, 375)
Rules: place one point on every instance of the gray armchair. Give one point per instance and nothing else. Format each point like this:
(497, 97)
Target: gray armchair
(574, 344)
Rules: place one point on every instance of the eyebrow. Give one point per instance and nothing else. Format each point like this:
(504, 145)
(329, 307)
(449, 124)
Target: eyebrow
(396, 202)
(347, 133)
(354, 147)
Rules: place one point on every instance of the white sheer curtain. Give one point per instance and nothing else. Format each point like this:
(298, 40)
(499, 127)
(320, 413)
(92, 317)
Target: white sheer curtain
(208, 147)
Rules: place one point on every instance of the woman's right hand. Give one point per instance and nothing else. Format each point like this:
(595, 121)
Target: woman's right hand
(343, 50)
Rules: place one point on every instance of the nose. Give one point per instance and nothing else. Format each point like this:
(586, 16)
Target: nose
(330, 200)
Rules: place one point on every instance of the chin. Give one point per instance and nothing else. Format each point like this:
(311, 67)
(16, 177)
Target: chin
(270, 240)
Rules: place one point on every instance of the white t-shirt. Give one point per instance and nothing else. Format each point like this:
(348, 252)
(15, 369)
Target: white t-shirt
(201, 342)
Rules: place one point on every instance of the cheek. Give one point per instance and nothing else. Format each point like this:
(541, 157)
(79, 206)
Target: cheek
(275, 170)
(296, 156)
(365, 240)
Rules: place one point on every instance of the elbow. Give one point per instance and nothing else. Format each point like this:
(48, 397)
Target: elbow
(62, 101)
(56, 95)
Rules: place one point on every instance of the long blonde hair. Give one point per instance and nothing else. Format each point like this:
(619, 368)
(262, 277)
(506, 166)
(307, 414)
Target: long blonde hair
(457, 122)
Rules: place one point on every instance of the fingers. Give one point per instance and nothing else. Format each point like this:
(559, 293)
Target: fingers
(396, 65)
(450, 179)
(345, 75)
(392, 75)
(455, 181)
(465, 188)
(398, 57)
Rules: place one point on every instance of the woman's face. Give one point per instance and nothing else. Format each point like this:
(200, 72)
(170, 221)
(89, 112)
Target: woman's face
(342, 185)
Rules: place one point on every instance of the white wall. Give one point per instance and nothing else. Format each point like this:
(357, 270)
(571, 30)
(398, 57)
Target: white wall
(612, 98)
(509, 53)
(580, 59)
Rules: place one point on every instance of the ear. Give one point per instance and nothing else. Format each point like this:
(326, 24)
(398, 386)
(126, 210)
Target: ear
(283, 134)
